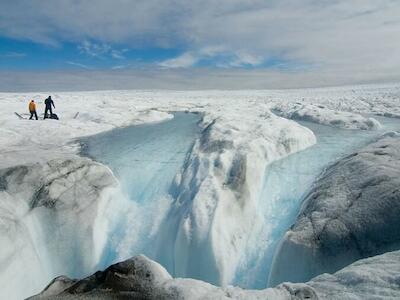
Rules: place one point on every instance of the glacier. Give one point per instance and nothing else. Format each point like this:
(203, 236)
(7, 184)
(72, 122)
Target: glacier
(287, 181)
(154, 229)
(374, 278)
(212, 207)
(146, 160)
(55, 219)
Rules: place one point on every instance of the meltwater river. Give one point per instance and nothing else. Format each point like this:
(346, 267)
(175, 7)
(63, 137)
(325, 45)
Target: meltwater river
(286, 183)
(146, 158)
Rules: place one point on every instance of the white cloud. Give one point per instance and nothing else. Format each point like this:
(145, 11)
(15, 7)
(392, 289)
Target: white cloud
(117, 54)
(218, 56)
(246, 59)
(120, 67)
(100, 50)
(183, 61)
(83, 66)
(13, 54)
(93, 49)
(341, 37)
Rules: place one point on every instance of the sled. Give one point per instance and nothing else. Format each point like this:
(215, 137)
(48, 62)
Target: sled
(54, 117)
(19, 116)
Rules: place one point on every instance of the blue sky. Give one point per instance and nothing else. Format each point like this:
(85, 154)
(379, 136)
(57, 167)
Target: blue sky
(29, 55)
(301, 43)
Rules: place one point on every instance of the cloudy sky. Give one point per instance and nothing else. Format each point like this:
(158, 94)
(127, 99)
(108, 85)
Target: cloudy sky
(197, 44)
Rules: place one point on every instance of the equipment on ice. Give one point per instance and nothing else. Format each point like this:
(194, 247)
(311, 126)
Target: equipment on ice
(19, 116)
(54, 116)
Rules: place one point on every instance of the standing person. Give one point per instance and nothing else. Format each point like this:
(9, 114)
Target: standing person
(32, 109)
(48, 102)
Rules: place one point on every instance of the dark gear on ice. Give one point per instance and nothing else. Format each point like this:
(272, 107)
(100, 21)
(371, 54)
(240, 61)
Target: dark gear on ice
(32, 110)
(49, 103)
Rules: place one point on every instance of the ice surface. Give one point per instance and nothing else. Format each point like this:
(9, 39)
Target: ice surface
(147, 158)
(215, 212)
(55, 219)
(140, 277)
(215, 215)
(286, 181)
(375, 278)
(322, 115)
(351, 212)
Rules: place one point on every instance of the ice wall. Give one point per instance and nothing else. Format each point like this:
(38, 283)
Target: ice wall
(145, 160)
(214, 221)
(350, 213)
(287, 181)
(55, 219)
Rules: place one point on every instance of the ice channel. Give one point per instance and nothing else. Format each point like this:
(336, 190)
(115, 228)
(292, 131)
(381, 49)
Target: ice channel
(146, 159)
(287, 180)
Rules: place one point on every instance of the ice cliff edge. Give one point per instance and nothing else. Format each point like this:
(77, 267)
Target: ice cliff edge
(352, 212)
(141, 278)
(54, 218)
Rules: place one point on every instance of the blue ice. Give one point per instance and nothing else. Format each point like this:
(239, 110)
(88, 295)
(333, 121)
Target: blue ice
(146, 158)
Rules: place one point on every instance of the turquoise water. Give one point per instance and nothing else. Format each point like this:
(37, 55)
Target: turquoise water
(146, 158)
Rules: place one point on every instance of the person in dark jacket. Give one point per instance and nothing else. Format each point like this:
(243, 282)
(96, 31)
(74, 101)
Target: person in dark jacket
(32, 109)
(49, 103)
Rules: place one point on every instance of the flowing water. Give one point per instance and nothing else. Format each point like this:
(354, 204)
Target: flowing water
(146, 158)
(286, 183)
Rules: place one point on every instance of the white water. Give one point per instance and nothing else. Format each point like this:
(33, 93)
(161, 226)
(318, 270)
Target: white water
(145, 159)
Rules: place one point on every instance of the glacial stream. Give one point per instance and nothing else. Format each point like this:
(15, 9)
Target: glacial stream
(146, 158)
(286, 183)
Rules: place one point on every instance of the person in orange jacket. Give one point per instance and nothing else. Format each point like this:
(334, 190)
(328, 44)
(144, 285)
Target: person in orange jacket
(32, 109)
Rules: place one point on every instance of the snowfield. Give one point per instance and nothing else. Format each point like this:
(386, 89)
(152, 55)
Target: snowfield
(57, 207)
